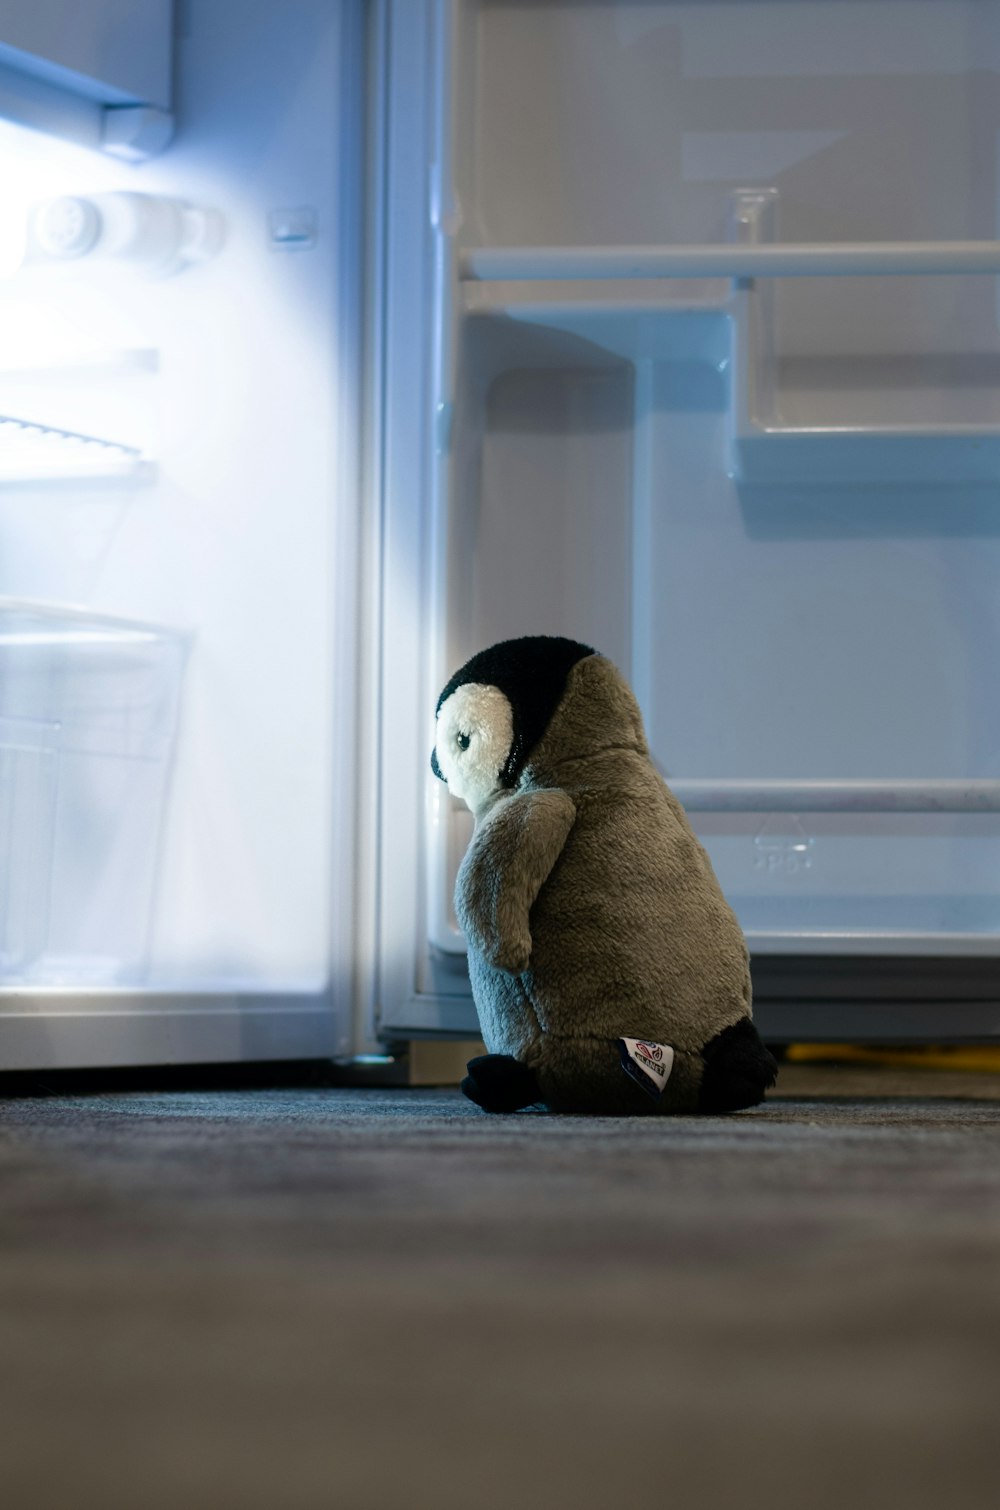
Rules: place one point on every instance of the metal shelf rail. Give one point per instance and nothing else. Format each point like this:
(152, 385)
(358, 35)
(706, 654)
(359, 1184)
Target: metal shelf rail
(792, 260)
(793, 796)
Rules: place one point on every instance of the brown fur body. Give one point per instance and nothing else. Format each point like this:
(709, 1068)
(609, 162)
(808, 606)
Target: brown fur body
(593, 913)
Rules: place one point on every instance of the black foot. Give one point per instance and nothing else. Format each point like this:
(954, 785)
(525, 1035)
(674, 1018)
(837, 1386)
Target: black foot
(738, 1070)
(500, 1083)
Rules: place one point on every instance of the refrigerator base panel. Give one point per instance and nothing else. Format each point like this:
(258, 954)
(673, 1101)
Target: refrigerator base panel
(873, 999)
(53, 1030)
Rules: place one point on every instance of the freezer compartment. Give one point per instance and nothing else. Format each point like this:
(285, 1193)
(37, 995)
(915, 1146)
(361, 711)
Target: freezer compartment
(88, 714)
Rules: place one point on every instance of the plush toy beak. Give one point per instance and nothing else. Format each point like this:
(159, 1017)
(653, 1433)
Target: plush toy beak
(434, 765)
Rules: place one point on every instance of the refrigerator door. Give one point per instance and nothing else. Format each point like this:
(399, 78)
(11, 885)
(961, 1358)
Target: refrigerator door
(691, 353)
(179, 563)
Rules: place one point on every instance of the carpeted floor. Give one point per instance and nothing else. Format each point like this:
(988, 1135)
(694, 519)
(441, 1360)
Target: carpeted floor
(315, 1297)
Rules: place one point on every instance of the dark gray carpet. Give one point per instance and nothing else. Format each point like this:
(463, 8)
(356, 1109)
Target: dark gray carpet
(315, 1297)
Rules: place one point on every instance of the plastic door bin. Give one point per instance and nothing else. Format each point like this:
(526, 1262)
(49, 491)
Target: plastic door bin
(88, 714)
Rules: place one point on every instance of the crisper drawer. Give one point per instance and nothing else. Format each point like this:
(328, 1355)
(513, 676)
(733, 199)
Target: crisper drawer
(88, 711)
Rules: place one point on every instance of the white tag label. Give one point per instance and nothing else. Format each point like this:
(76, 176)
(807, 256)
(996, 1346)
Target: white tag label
(652, 1062)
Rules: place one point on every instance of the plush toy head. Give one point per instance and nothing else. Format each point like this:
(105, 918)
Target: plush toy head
(494, 711)
(609, 973)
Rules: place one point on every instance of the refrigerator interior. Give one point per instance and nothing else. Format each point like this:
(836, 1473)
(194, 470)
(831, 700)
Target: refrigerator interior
(772, 500)
(179, 548)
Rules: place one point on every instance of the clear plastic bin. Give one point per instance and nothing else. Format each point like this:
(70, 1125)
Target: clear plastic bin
(88, 715)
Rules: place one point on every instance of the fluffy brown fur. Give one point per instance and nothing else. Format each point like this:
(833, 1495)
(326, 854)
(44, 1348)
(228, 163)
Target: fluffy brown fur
(593, 913)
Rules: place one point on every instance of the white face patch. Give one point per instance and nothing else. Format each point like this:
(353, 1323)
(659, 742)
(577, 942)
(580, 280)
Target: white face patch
(475, 730)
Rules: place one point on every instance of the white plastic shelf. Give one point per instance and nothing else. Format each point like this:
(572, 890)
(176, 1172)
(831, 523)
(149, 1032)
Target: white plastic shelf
(791, 260)
(651, 303)
(776, 796)
(110, 362)
(31, 452)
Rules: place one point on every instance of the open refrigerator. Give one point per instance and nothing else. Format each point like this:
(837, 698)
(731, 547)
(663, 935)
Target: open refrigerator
(181, 323)
(669, 327)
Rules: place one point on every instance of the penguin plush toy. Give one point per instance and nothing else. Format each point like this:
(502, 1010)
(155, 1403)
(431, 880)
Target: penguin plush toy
(609, 973)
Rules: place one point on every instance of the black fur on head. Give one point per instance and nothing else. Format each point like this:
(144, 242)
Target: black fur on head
(531, 673)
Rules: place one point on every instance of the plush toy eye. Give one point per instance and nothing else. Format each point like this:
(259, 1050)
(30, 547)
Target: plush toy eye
(463, 741)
